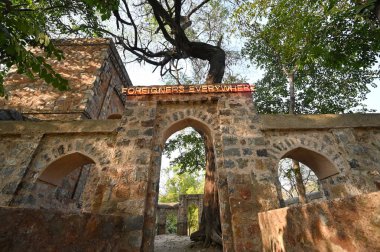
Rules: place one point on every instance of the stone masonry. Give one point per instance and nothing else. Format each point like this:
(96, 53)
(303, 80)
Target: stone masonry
(184, 202)
(163, 210)
(126, 154)
(180, 210)
(95, 73)
(103, 175)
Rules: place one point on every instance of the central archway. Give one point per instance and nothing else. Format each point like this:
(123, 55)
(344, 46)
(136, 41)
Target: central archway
(211, 212)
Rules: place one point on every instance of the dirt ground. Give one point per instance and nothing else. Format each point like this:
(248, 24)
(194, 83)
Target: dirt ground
(171, 242)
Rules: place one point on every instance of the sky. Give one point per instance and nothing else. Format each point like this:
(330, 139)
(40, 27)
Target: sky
(143, 75)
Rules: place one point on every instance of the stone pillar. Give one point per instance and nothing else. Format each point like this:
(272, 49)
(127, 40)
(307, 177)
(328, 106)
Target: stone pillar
(182, 216)
(161, 221)
(245, 177)
(131, 175)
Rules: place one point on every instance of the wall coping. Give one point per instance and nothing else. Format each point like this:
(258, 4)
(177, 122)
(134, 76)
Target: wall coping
(168, 205)
(58, 127)
(326, 121)
(268, 122)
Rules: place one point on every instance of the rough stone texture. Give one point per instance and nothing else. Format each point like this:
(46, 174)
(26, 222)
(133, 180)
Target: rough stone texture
(127, 155)
(354, 152)
(349, 224)
(25, 229)
(95, 74)
(123, 157)
(31, 192)
(15, 154)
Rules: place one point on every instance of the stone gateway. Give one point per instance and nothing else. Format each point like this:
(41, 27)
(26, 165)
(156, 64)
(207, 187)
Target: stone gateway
(93, 184)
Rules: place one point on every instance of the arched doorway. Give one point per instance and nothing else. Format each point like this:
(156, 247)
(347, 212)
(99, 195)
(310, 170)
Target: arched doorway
(210, 201)
(182, 177)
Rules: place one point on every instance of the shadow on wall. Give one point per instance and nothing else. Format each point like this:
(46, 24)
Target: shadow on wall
(114, 116)
(349, 224)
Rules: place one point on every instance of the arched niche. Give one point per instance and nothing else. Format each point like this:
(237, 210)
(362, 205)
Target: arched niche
(114, 116)
(318, 163)
(59, 168)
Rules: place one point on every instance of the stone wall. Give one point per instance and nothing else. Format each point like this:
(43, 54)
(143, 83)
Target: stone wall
(25, 229)
(230, 126)
(126, 157)
(29, 148)
(163, 210)
(25, 156)
(96, 76)
(349, 224)
(349, 143)
(185, 201)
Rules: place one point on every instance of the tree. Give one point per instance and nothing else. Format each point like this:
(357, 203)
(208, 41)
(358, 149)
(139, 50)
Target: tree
(29, 25)
(154, 31)
(288, 182)
(194, 157)
(369, 8)
(186, 151)
(321, 52)
(317, 56)
(181, 183)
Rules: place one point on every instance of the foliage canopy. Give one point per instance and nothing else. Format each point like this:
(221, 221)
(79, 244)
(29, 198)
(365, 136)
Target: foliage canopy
(27, 25)
(327, 49)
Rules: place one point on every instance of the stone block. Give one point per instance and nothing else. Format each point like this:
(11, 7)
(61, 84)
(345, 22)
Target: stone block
(262, 153)
(229, 140)
(229, 164)
(235, 152)
(342, 225)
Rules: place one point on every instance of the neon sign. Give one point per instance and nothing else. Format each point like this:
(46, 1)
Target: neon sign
(188, 89)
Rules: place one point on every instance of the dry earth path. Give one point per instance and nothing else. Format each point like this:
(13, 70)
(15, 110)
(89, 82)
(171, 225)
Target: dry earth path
(175, 243)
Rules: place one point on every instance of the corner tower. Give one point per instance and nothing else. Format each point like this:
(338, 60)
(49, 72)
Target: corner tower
(96, 77)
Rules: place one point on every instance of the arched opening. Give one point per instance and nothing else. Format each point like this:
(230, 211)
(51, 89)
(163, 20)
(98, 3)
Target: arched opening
(209, 189)
(66, 183)
(300, 172)
(114, 116)
(320, 165)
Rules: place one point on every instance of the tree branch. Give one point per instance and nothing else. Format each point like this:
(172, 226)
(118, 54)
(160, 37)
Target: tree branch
(197, 8)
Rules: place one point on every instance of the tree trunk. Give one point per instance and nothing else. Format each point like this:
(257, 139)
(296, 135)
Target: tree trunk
(295, 164)
(213, 54)
(210, 230)
(292, 96)
(279, 193)
(299, 182)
